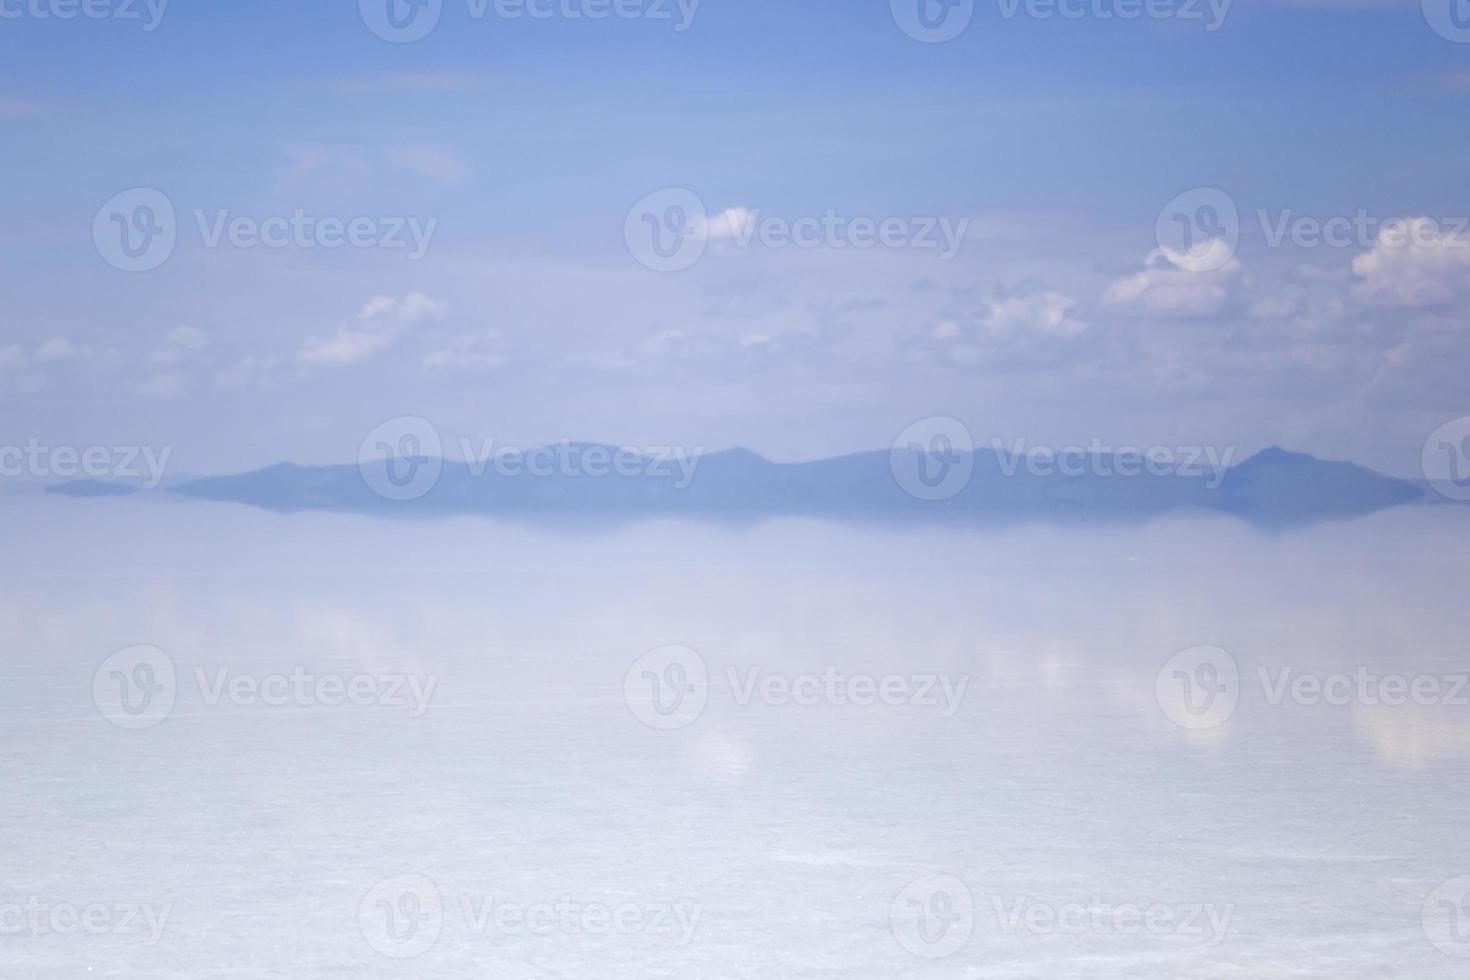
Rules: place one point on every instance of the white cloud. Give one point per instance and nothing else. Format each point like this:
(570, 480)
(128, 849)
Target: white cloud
(1176, 284)
(376, 307)
(1413, 265)
(429, 160)
(309, 159)
(164, 385)
(382, 318)
(663, 342)
(1044, 312)
(339, 166)
(11, 107)
(417, 306)
(466, 353)
(611, 361)
(1022, 326)
(1313, 299)
(59, 349)
(246, 372)
(180, 342)
(418, 81)
(191, 338)
(728, 225)
(346, 347)
(718, 350)
(413, 308)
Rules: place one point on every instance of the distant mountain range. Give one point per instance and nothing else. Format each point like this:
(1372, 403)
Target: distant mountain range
(1272, 488)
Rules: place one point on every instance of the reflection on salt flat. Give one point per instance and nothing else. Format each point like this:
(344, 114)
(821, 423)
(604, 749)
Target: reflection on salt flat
(1414, 736)
(1059, 782)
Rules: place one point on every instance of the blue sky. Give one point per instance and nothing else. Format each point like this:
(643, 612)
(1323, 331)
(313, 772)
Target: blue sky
(1061, 318)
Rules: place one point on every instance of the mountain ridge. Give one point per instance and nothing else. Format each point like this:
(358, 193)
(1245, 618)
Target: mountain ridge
(1273, 487)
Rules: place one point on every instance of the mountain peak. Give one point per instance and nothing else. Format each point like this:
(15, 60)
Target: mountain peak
(1277, 455)
(737, 454)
